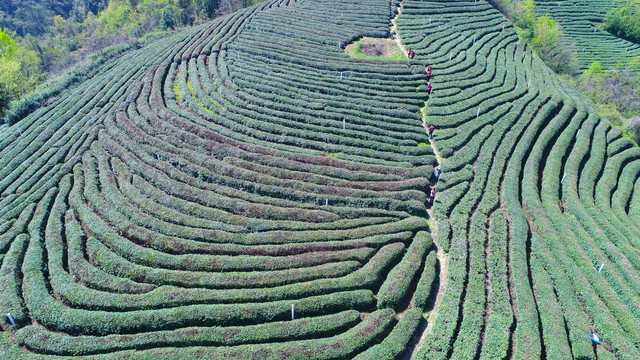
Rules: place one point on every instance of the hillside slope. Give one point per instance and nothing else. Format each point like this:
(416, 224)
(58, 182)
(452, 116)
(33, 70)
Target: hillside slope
(537, 192)
(246, 190)
(580, 21)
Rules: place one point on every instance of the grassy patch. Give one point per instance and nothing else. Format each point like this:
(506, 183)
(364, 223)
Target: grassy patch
(375, 48)
(176, 90)
(190, 86)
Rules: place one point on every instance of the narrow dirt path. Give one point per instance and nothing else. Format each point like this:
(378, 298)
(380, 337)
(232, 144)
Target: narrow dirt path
(443, 258)
(394, 27)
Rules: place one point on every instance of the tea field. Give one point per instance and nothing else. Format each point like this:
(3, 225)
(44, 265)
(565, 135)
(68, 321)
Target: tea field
(581, 22)
(246, 190)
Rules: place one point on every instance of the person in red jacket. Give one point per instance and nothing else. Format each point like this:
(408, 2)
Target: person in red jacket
(428, 72)
(431, 128)
(429, 87)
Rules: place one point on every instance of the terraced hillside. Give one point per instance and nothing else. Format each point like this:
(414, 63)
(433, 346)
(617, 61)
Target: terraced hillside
(580, 20)
(536, 193)
(247, 190)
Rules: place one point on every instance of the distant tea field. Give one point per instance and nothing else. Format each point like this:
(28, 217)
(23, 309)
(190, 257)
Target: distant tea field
(263, 186)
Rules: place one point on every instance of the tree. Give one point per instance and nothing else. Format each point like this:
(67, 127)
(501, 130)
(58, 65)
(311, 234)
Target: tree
(167, 19)
(624, 21)
(525, 18)
(20, 70)
(595, 70)
(7, 46)
(9, 71)
(119, 15)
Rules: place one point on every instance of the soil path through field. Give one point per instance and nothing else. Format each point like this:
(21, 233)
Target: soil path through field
(443, 258)
(394, 27)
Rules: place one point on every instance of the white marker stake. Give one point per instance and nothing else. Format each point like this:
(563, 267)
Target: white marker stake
(474, 39)
(578, 133)
(503, 27)
(238, 55)
(529, 83)
(563, 176)
(93, 120)
(601, 266)
(158, 155)
(340, 75)
(478, 113)
(326, 202)
(20, 131)
(429, 19)
(13, 322)
(293, 312)
(344, 124)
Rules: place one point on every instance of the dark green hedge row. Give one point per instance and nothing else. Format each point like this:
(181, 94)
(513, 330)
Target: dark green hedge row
(82, 269)
(397, 342)
(10, 282)
(343, 346)
(40, 340)
(423, 292)
(501, 317)
(394, 289)
(267, 187)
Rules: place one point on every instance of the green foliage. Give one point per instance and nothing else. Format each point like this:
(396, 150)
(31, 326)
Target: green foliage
(615, 94)
(545, 33)
(525, 18)
(119, 16)
(595, 70)
(546, 37)
(624, 21)
(20, 70)
(7, 46)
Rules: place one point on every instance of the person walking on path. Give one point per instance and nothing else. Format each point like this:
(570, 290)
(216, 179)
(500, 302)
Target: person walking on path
(428, 72)
(429, 87)
(432, 196)
(438, 173)
(431, 128)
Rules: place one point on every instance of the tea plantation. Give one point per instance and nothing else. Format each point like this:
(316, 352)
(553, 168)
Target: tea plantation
(580, 20)
(246, 190)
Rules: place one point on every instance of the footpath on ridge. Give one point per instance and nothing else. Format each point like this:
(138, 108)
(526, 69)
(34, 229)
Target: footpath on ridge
(443, 258)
